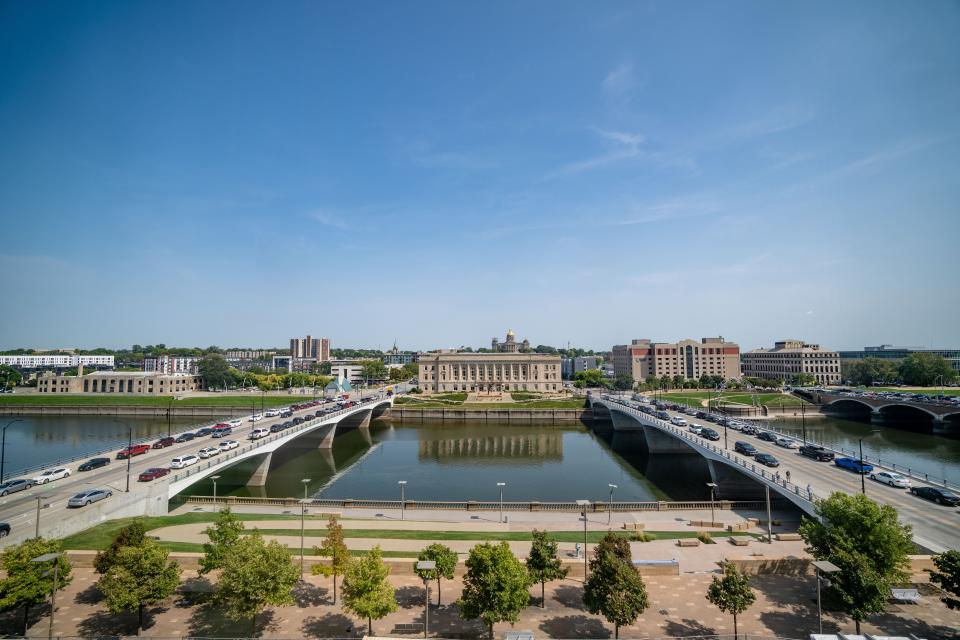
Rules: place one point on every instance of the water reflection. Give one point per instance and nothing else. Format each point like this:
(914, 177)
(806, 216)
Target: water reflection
(525, 448)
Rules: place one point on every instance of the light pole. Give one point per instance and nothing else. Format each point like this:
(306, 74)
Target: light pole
(827, 567)
(863, 482)
(169, 409)
(713, 486)
(129, 446)
(610, 503)
(3, 447)
(214, 478)
(803, 421)
(424, 566)
(403, 485)
(47, 557)
(501, 485)
(583, 516)
(303, 512)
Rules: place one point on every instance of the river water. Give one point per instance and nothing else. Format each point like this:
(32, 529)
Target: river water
(464, 461)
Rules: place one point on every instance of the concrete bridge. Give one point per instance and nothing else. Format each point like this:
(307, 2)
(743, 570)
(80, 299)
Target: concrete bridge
(942, 418)
(936, 528)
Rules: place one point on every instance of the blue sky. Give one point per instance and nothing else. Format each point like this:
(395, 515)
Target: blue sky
(236, 173)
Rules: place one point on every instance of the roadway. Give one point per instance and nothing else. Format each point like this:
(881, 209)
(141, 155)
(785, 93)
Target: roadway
(935, 527)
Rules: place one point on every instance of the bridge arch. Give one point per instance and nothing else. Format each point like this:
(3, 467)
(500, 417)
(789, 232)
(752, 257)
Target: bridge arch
(850, 407)
(899, 409)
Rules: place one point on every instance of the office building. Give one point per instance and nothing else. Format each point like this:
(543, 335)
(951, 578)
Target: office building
(642, 359)
(890, 352)
(350, 370)
(790, 358)
(487, 372)
(569, 367)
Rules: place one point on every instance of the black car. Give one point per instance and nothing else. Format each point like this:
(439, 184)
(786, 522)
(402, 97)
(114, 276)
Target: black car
(767, 436)
(276, 428)
(93, 463)
(817, 453)
(12, 486)
(702, 415)
(745, 448)
(767, 459)
(940, 496)
(710, 434)
(4, 529)
(185, 437)
(203, 432)
(286, 414)
(750, 431)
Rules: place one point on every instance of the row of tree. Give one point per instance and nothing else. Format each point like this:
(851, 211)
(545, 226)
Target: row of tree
(917, 369)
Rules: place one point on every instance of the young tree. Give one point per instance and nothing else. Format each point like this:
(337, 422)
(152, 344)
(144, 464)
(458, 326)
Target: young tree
(612, 543)
(214, 371)
(947, 577)
(869, 545)
(615, 590)
(140, 576)
(131, 535)
(255, 574)
(731, 593)
(224, 533)
(366, 590)
(496, 587)
(446, 559)
(335, 548)
(29, 583)
(543, 565)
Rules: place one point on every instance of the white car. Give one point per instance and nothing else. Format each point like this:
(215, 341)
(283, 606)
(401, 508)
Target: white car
(183, 461)
(677, 420)
(695, 428)
(272, 413)
(236, 422)
(891, 478)
(208, 452)
(787, 443)
(52, 474)
(226, 445)
(258, 433)
(256, 418)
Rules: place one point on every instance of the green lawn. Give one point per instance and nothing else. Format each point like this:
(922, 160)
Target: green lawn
(242, 401)
(510, 536)
(934, 391)
(734, 397)
(573, 403)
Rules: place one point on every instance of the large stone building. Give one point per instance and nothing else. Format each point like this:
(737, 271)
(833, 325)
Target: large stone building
(489, 372)
(510, 345)
(120, 382)
(790, 358)
(642, 359)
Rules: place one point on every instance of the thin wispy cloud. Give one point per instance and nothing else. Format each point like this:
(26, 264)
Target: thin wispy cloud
(619, 80)
(626, 145)
(327, 219)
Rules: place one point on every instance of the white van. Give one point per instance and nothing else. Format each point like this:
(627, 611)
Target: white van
(183, 461)
(258, 433)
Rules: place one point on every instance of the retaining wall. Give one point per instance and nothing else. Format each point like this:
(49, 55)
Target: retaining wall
(189, 411)
(499, 416)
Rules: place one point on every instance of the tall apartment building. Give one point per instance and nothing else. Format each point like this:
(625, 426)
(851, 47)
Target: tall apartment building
(310, 348)
(171, 364)
(789, 358)
(249, 354)
(643, 359)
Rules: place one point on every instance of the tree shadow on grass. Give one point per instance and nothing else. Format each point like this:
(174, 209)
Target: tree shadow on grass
(575, 627)
(309, 595)
(688, 627)
(331, 625)
(570, 596)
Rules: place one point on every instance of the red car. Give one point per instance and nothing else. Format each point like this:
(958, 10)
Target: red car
(163, 442)
(135, 450)
(153, 473)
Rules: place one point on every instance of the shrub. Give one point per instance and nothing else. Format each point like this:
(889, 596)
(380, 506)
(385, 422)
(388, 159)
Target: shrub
(705, 537)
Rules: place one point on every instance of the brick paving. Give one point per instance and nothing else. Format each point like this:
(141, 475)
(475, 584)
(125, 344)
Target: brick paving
(785, 607)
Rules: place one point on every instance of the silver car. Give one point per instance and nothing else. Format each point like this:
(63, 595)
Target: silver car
(86, 497)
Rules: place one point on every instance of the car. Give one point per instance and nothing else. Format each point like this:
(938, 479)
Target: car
(940, 496)
(891, 478)
(703, 415)
(817, 453)
(695, 428)
(271, 413)
(13, 486)
(767, 436)
(52, 474)
(93, 463)
(221, 432)
(767, 459)
(787, 443)
(135, 450)
(208, 452)
(203, 432)
(235, 423)
(255, 418)
(746, 429)
(84, 498)
(183, 461)
(745, 448)
(226, 445)
(259, 432)
(4, 529)
(276, 428)
(677, 420)
(152, 474)
(286, 413)
(164, 442)
(185, 437)
(710, 434)
(852, 464)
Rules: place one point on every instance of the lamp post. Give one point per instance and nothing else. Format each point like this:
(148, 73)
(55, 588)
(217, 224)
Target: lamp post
(583, 516)
(803, 421)
(214, 478)
(403, 486)
(129, 445)
(863, 482)
(303, 512)
(713, 486)
(169, 409)
(47, 557)
(827, 567)
(501, 485)
(610, 503)
(423, 566)
(3, 447)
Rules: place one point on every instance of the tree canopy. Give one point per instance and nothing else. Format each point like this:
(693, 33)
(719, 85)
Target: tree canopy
(925, 369)
(615, 588)
(139, 576)
(131, 535)
(366, 590)
(29, 583)
(224, 533)
(496, 586)
(335, 548)
(446, 559)
(947, 577)
(214, 371)
(731, 593)
(543, 565)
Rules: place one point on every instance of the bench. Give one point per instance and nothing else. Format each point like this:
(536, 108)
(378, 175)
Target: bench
(784, 537)
(905, 595)
(739, 541)
(408, 627)
(740, 526)
(634, 526)
(688, 542)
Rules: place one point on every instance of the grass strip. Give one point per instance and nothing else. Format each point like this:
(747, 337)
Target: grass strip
(510, 536)
(240, 402)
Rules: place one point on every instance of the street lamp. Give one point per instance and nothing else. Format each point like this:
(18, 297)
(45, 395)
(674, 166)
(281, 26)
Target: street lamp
(827, 567)
(501, 485)
(403, 485)
(863, 482)
(55, 557)
(610, 503)
(129, 446)
(583, 516)
(303, 511)
(803, 421)
(3, 447)
(713, 486)
(214, 478)
(423, 566)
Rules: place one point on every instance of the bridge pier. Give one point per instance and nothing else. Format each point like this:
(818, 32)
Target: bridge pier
(365, 421)
(656, 440)
(326, 439)
(942, 426)
(259, 477)
(731, 484)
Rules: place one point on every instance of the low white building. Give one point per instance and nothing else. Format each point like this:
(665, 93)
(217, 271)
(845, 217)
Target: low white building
(171, 364)
(57, 361)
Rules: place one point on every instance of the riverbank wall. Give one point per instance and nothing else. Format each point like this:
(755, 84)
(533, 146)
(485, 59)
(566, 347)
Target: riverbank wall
(493, 416)
(123, 410)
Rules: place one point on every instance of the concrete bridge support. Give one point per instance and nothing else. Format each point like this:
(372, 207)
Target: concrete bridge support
(365, 421)
(656, 440)
(259, 477)
(733, 485)
(326, 436)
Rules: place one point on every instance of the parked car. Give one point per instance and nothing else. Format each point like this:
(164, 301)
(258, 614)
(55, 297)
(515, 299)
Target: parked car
(817, 453)
(208, 452)
(93, 463)
(84, 498)
(153, 473)
(767, 459)
(13, 486)
(852, 464)
(52, 474)
(4, 529)
(164, 442)
(183, 461)
(226, 445)
(185, 437)
(767, 436)
(940, 496)
(710, 434)
(745, 448)
(135, 450)
(891, 478)
(787, 443)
